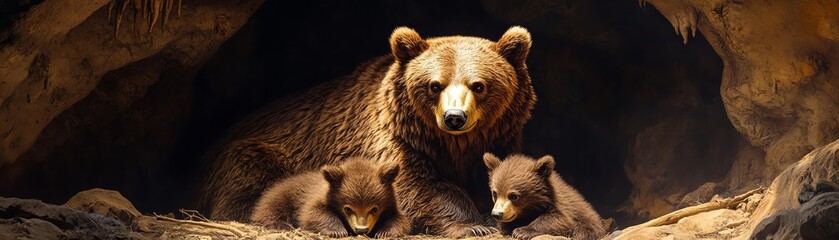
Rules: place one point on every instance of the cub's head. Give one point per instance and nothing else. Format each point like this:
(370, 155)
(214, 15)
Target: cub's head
(361, 192)
(460, 83)
(520, 185)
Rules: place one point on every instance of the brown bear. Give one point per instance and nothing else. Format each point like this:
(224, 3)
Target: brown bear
(434, 106)
(356, 197)
(531, 200)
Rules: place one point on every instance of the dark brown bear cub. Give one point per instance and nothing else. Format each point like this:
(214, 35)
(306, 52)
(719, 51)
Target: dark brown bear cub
(355, 198)
(532, 200)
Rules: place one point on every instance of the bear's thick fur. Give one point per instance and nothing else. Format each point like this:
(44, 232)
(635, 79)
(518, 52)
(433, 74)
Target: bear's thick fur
(531, 200)
(434, 106)
(354, 198)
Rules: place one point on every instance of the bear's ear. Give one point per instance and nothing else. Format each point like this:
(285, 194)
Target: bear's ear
(544, 166)
(491, 161)
(333, 174)
(388, 173)
(514, 45)
(406, 44)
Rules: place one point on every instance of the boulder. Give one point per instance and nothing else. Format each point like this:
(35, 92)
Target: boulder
(105, 202)
(33, 219)
(816, 219)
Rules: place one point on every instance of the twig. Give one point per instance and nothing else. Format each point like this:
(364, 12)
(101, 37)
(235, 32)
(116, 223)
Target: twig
(193, 214)
(233, 230)
(675, 216)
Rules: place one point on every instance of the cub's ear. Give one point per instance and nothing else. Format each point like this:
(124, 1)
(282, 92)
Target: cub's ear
(388, 173)
(491, 161)
(514, 45)
(333, 174)
(406, 44)
(544, 166)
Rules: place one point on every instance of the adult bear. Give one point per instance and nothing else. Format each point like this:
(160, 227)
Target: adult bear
(435, 106)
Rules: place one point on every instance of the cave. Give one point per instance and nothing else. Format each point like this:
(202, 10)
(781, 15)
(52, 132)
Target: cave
(647, 106)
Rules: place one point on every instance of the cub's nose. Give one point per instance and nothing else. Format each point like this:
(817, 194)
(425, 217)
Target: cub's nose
(454, 118)
(361, 230)
(497, 215)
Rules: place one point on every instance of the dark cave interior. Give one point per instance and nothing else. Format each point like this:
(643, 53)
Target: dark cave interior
(614, 85)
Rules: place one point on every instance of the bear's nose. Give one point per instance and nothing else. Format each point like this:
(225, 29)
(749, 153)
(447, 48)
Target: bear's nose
(361, 230)
(454, 118)
(497, 215)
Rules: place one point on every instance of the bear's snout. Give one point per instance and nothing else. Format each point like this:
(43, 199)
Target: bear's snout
(454, 118)
(497, 215)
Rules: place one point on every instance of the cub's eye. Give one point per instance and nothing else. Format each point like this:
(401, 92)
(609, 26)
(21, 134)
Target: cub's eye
(348, 210)
(435, 87)
(513, 197)
(494, 195)
(478, 87)
(374, 210)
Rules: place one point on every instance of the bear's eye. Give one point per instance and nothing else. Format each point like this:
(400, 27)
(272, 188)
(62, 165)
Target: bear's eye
(513, 197)
(435, 87)
(374, 210)
(348, 210)
(478, 87)
(494, 195)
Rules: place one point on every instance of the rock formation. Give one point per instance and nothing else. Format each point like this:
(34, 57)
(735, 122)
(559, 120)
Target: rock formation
(780, 81)
(816, 219)
(59, 51)
(69, 79)
(802, 202)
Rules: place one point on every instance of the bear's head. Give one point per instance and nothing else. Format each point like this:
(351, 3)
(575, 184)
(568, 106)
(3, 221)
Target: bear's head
(520, 186)
(459, 83)
(361, 192)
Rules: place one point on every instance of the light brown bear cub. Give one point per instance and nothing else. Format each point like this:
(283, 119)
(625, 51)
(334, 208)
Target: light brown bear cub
(355, 198)
(531, 200)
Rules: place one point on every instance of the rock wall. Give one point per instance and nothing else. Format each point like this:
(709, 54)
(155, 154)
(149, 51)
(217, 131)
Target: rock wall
(58, 51)
(82, 104)
(780, 80)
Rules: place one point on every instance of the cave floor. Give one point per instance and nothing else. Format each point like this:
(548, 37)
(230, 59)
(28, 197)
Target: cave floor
(106, 214)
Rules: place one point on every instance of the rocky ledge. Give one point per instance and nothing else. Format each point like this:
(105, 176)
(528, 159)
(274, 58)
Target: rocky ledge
(801, 203)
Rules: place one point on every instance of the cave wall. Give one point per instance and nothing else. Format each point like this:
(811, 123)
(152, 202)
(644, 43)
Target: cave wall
(780, 80)
(58, 51)
(83, 104)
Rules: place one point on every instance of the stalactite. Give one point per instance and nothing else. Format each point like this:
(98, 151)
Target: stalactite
(151, 10)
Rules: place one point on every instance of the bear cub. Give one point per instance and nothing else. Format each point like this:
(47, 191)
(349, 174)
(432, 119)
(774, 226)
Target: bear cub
(531, 200)
(354, 198)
